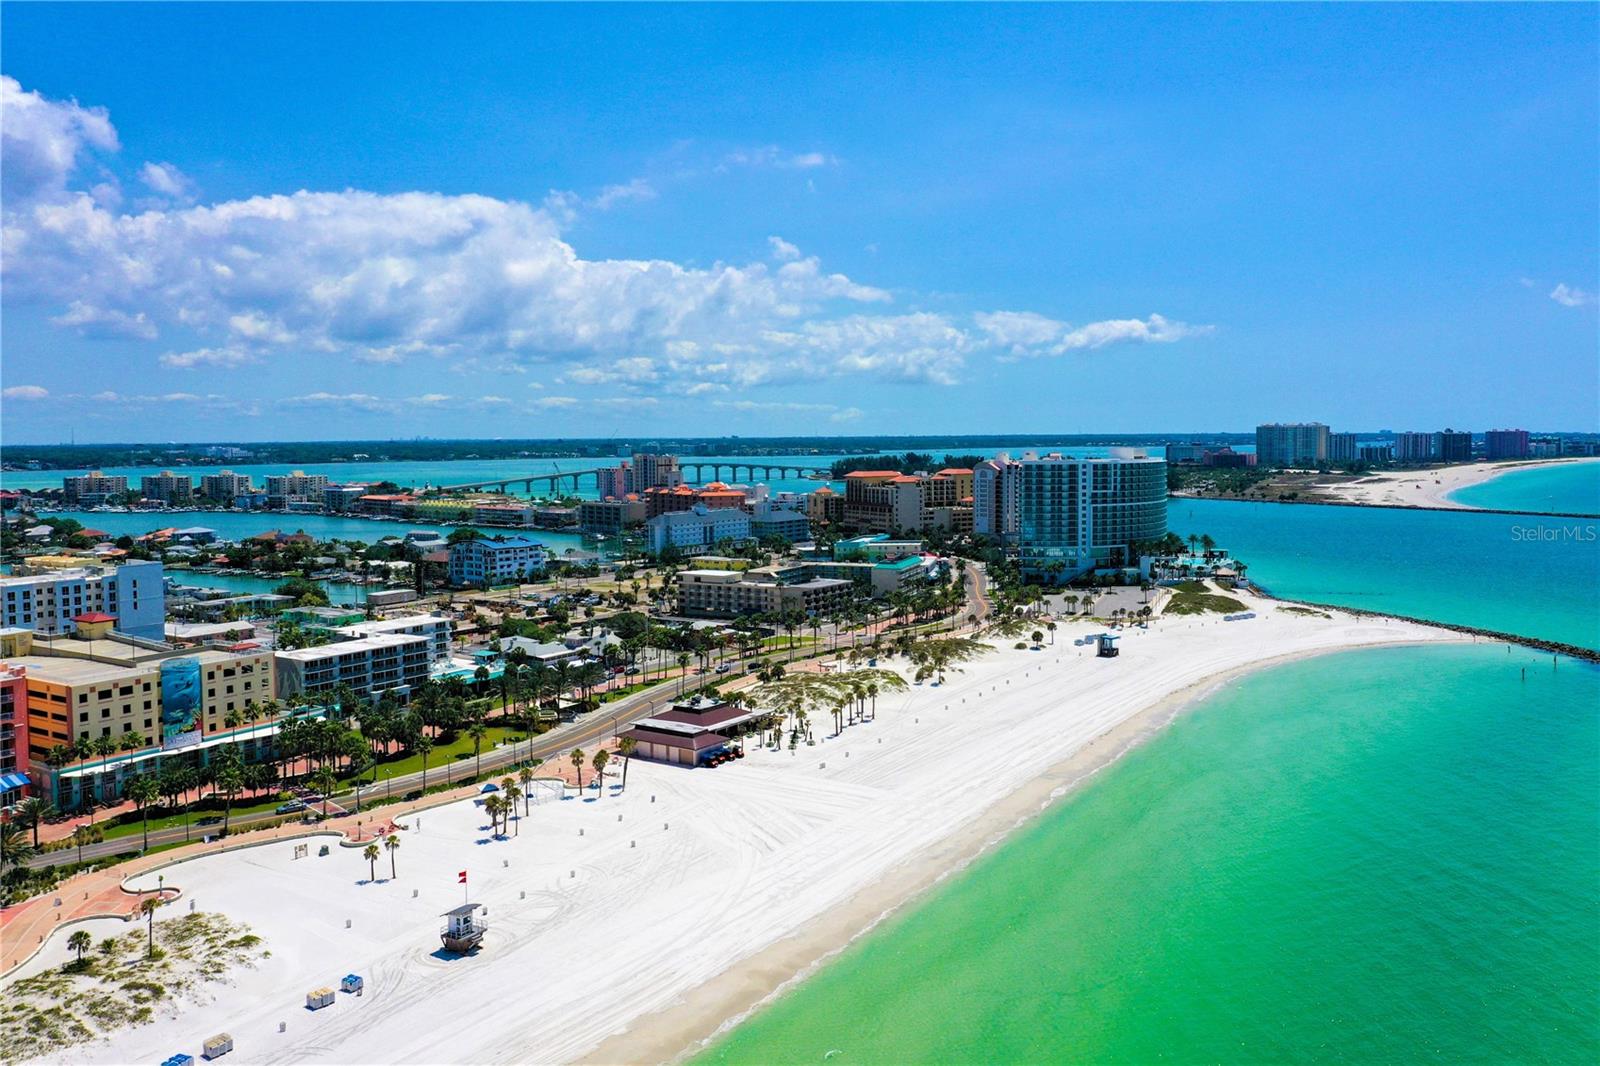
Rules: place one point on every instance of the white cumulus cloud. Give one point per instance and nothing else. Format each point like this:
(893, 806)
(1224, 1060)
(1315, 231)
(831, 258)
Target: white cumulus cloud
(383, 278)
(1567, 296)
(25, 392)
(166, 180)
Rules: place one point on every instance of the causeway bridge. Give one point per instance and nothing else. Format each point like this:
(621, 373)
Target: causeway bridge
(556, 482)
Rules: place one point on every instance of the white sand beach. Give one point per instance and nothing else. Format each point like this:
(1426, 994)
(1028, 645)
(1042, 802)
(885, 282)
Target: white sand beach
(629, 927)
(1426, 488)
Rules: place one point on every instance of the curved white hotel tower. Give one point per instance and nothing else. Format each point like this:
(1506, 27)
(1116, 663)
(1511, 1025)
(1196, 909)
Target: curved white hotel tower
(1077, 514)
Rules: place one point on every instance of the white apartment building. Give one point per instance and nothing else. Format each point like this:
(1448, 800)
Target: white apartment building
(373, 665)
(132, 593)
(224, 485)
(341, 498)
(295, 487)
(433, 628)
(488, 562)
(1078, 514)
(167, 487)
(697, 530)
(1291, 443)
(994, 496)
(730, 593)
(93, 488)
(771, 520)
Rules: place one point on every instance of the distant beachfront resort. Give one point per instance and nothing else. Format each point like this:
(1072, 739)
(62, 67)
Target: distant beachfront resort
(647, 747)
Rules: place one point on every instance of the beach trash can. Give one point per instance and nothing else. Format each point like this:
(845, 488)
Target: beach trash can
(216, 1046)
(318, 998)
(352, 983)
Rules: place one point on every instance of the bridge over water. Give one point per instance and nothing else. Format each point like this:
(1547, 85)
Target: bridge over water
(554, 483)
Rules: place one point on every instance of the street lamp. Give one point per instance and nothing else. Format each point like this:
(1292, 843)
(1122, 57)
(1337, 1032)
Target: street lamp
(386, 784)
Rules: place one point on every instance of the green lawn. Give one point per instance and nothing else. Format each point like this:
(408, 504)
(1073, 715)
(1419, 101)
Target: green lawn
(454, 754)
(171, 821)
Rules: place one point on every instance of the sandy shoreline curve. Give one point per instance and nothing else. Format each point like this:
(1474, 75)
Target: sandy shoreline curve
(636, 926)
(735, 996)
(1429, 488)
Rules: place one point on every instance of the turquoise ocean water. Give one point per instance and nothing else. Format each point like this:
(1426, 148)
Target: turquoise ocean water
(1570, 487)
(1375, 857)
(1521, 574)
(1383, 856)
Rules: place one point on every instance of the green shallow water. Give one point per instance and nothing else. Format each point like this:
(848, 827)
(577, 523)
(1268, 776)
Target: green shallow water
(1380, 856)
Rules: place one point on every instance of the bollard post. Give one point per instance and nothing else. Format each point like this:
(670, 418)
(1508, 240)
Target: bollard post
(347, 923)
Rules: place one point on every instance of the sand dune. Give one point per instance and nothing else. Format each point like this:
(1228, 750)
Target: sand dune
(628, 926)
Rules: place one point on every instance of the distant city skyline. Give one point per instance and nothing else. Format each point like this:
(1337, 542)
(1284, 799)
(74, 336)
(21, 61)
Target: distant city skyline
(544, 222)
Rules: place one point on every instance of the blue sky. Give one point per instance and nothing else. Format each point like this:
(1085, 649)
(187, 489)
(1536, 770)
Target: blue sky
(262, 222)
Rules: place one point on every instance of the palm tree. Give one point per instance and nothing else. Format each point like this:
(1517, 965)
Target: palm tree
(33, 812)
(14, 846)
(1037, 638)
(144, 791)
(577, 764)
(512, 793)
(1051, 626)
(80, 837)
(391, 844)
(933, 657)
(625, 748)
(325, 781)
(80, 942)
(601, 757)
(683, 669)
(424, 746)
(525, 775)
(477, 731)
(370, 853)
(147, 907)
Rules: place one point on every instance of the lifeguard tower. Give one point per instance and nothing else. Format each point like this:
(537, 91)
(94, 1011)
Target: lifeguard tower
(1106, 646)
(463, 929)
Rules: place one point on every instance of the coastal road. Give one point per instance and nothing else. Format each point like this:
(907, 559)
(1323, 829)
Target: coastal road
(977, 581)
(598, 725)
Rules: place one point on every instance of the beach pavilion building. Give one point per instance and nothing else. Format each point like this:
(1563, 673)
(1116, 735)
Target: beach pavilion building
(691, 730)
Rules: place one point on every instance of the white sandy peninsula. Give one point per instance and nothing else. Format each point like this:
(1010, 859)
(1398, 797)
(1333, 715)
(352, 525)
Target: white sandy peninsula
(629, 927)
(1425, 488)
